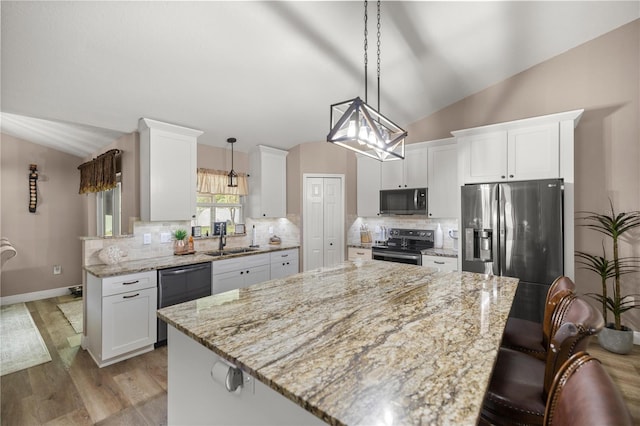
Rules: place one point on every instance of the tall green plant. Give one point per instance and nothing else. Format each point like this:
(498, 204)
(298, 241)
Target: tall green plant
(614, 226)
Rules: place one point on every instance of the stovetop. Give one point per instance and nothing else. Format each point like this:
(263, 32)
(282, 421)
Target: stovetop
(407, 240)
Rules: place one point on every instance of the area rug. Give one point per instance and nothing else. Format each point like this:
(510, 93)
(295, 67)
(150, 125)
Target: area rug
(73, 313)
(21, 345)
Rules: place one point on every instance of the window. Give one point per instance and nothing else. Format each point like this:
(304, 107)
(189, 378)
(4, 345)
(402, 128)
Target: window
(212, 208)
(108, 210)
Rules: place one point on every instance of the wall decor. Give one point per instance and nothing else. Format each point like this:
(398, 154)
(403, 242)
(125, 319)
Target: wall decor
(33, 187)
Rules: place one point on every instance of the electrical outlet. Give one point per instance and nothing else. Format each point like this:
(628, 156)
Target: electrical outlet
(271, 230)
(147, 238)
(57, 269)
(165, 237)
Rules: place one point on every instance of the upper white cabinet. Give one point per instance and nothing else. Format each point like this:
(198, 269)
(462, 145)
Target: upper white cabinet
(408, 173)
(267, 182)
(443, 180)
(168, 171)
(522, 153)
(368, 186)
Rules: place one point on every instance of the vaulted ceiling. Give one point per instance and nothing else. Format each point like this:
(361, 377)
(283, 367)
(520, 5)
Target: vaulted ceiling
(76, 75)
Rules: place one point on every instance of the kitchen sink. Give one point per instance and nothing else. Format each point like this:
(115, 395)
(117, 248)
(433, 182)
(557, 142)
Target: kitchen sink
(225, 252)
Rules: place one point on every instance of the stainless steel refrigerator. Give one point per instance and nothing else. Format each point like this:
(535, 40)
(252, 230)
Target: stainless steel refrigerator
(515, 230)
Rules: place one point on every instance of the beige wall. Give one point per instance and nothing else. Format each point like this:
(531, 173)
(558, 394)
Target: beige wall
(50, 236)
(601, 76)
(210, 157)
(319, 157)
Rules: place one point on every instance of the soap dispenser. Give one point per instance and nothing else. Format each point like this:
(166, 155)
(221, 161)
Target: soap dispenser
(439, 239)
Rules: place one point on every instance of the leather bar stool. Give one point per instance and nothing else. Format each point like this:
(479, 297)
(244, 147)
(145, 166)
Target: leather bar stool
(519, 386)
(532, 337)
(582, 393)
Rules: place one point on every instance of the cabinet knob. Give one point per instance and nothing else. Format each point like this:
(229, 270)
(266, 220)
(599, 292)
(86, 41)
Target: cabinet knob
(430, 214)
(248, 272)
(503, 176)
(510, 176)
(241, 272)
(330, 244)
(264, 214)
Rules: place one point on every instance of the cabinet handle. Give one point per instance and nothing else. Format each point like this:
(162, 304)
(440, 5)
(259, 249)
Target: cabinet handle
(439, 263)
(360, 253)
(130, 296)
(131, 282)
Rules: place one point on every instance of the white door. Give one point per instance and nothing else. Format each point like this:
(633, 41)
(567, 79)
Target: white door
(323, 217)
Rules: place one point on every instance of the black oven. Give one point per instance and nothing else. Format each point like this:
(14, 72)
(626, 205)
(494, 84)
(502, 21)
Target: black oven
(404, 246)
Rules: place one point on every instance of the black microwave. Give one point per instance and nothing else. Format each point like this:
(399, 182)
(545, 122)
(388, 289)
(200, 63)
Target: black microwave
(403, 201)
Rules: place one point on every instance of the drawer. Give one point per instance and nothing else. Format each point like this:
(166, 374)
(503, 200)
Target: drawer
(238, 263)
(442, 263)
(358, 253)
(284, 255)
(127, 283)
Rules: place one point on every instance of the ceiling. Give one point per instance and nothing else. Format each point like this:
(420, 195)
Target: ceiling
(77, 75)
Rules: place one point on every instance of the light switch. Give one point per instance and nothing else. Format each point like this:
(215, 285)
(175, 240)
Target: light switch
(147, 238)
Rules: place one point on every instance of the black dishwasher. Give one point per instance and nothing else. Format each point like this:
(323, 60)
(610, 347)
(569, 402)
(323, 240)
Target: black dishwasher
(181, 284)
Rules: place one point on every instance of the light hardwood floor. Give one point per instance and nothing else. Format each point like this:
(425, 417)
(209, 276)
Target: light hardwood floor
(72, 390)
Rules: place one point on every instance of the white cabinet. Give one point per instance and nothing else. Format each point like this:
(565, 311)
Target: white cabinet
(239, 272)
(524, 153)
(441, 263)
(368, 186)
(267, 182)
(121, 316)
(168, 171)
(356, 253)
(284, 263)
(198, 395)
(408, 173)
(443, 181)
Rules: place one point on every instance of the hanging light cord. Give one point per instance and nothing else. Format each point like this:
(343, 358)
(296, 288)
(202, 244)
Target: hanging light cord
(366, 45)
(378, 55)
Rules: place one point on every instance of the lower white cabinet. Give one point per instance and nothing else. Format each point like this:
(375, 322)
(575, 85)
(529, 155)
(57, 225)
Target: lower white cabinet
(358, 253)
(284, 263)
(121, 316)
(197, 392)
(239, 272)
(444, 264)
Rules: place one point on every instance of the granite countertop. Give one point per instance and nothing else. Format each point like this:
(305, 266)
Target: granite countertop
(142, 265)
(362, 341)
(440, 252)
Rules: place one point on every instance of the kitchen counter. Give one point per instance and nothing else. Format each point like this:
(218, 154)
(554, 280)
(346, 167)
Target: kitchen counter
(142, 265)
(362, 341)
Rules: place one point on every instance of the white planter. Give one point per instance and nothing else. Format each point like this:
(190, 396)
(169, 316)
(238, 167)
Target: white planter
(617, 341)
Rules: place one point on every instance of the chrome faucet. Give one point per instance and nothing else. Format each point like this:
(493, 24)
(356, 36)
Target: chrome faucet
(223, 239)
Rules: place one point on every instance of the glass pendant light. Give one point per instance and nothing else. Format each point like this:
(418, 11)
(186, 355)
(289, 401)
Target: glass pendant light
(233, 176)
(357, 126)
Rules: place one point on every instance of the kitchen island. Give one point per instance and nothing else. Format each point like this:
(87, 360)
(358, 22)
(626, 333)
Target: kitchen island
(364, 342)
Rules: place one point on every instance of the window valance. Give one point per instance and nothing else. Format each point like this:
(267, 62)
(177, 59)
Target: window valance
(99, 174)
(215, 182)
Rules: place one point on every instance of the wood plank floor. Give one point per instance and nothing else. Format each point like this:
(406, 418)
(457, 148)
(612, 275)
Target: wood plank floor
(72, 390)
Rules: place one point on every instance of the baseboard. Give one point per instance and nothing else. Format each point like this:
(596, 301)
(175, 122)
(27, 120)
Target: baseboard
(636, 337)
(36, 295)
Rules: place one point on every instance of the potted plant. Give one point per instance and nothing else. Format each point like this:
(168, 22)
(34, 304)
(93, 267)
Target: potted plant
(180, 236)
(615, 337)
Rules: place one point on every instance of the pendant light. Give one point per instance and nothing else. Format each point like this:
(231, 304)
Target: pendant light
(357, 126)
(233, 176)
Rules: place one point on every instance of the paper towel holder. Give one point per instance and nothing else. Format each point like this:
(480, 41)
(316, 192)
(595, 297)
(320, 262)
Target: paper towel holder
(234, 379)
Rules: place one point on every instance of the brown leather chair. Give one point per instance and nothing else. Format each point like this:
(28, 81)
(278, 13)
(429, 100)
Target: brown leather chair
(519, 386)
(532, 337)
(582, 393)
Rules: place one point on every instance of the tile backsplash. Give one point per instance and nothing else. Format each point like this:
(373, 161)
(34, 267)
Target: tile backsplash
(406, 222)
(133, 247)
